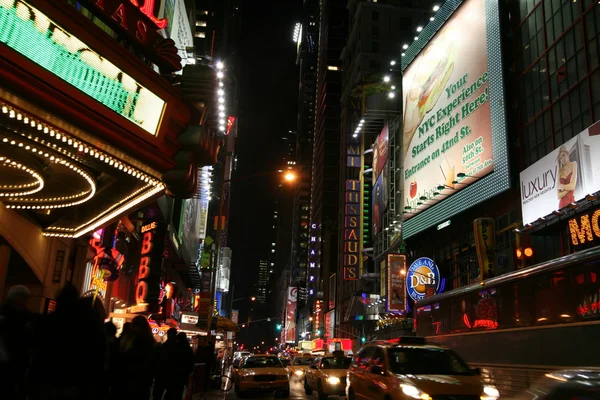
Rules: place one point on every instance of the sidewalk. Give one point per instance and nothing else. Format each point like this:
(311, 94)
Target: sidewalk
(213, 395)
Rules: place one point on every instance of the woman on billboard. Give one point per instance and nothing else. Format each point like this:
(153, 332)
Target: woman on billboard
(568, 178)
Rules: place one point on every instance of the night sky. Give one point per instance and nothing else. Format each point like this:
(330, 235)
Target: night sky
(268, 80)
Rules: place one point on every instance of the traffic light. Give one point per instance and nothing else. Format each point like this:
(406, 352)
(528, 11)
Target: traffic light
(363, 339)
(279, 327)
(318, 332)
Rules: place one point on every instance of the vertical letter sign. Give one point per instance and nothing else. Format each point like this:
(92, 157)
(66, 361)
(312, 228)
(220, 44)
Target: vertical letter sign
(485, 243)
(352, 230)
(150, 269)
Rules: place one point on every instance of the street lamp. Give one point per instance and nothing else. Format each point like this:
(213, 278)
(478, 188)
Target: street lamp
(290, 177)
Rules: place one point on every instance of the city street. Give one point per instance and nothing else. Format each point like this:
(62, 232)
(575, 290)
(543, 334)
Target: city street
(296, 392)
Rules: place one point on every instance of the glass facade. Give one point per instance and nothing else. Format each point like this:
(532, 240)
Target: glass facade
(557, 72)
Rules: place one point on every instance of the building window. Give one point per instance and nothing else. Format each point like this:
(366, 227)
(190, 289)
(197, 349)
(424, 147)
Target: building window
(374, 47)
(375, 30)
(58, 266)
(201, 35)
(201, 23)
(375, 15)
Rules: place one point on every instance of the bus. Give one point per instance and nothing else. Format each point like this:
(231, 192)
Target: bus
(521, 325)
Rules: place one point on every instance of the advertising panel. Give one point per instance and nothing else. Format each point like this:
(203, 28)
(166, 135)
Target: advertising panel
(290, 315)
(396, 271)
(562, 177)
(454, 145)
(235, 316)
(423, 278)
(381, 151)
(189, 228)
(447, 120)
(61, 53)
(332, 290)
(378, 204)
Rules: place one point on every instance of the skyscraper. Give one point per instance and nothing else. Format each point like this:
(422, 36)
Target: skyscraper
(262, 284)
(322, 256)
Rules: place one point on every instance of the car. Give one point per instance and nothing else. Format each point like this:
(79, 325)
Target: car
(327, 375)
(298, 367)
(411, 369)
(261, 373)
(580, 383)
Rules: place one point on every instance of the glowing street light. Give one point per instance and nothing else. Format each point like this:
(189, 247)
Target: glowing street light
(386, 78)
(290, 176)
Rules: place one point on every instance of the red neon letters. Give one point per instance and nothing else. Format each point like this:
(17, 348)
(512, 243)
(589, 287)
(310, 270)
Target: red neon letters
(141, 291)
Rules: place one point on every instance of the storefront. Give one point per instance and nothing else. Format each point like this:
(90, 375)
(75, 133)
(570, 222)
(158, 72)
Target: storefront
(90, 134)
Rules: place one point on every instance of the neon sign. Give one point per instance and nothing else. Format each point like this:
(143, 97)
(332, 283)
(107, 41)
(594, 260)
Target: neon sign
(29, 32)
(585, 229)
(148, 287)
(141, 291)
(352, 257)
(138, 22)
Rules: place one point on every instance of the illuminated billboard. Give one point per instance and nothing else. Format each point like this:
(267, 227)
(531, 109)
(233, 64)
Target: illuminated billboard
(564, 176)
(454, 135)
(32, 34)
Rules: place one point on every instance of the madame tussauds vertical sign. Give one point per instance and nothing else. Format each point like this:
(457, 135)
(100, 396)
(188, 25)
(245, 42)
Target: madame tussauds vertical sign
(352, 230)
(147, 289)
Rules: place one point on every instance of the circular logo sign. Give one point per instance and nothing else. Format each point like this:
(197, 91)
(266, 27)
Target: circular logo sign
(423, 279)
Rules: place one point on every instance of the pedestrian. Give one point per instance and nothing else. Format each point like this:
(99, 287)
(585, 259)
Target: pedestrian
(15, 343)
(165, 364)
(138, 358)
(65, 341)
(113, 370)
(183, 368)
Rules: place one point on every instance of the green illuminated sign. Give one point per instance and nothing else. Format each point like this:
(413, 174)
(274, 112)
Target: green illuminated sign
(30, 33)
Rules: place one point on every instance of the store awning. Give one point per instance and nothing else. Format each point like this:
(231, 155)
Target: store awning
(224, 324)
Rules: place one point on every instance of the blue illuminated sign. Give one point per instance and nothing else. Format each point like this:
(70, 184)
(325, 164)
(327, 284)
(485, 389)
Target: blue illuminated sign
(423, 279)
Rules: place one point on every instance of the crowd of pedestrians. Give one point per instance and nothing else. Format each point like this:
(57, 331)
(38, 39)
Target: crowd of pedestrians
(72, 354)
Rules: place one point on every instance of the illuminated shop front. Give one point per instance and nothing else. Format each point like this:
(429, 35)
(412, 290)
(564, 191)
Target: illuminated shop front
(89, 133)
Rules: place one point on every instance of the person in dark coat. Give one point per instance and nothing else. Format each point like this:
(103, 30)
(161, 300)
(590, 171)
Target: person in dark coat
(15, 343)
(138, 357)
(166, 362)
(182, 369)
(70, 354)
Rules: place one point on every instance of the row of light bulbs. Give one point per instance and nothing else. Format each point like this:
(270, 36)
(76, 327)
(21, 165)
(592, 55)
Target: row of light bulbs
(93, 224)
(358, 128)
(37, 185)
(80, 146)
(221, 97)
(51, 202)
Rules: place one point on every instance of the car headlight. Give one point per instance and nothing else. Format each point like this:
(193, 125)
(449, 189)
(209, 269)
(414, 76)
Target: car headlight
(490, 393)
(414, 392)
(299, 373)
(334, 380)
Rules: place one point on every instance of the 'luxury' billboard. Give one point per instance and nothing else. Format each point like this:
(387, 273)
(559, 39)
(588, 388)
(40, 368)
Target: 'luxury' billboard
(562, 177)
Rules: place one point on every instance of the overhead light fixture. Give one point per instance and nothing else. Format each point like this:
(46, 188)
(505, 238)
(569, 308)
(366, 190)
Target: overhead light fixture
(402, 54)
(355, 135)
(393, 62)
(405, 46)
(432, 19)
(416, 38)
(219, 65)
(419, 28)
(386, 78)
(436, 7)
(391, 95)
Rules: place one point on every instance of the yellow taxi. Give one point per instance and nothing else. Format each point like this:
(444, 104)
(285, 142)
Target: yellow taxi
(298, 367)
(414, 370)
(261, 373)
(327, 375)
